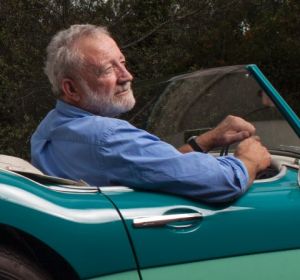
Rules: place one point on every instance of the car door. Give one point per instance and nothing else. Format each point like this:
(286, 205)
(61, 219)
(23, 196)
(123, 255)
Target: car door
(176, 238)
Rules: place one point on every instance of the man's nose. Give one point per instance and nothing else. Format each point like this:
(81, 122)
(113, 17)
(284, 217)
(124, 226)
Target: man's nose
(124, 74)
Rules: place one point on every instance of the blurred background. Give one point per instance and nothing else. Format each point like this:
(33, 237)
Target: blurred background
(159, 38)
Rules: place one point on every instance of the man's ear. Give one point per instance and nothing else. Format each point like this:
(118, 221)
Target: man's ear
(70, 90)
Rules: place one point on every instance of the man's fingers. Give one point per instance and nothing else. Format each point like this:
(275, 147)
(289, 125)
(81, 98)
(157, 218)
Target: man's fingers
(239, 124)
(257, 138)
(232, 129)
(254, 138)
(237, 136)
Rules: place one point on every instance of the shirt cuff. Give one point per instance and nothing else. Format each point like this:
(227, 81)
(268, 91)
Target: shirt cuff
(241, 172)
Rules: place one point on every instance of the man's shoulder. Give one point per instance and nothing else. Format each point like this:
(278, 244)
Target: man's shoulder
(106, 131)
(84, 128)
(92, 128)
(106, 123)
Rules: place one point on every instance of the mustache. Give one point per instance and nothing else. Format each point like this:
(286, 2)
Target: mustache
(124, 87)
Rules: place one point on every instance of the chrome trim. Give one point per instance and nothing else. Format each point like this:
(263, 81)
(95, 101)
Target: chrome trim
(72, 189)
(115, 189)
(158, 221)
(281, 174)
(294, 166)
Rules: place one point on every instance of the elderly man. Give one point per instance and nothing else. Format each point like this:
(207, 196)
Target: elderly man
(82, 139)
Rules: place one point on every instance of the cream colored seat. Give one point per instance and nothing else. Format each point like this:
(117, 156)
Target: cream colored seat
(17, 165)
(26, 169)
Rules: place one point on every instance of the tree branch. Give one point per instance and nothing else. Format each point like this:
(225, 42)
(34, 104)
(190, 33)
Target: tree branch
(158, 27)
(121, 17)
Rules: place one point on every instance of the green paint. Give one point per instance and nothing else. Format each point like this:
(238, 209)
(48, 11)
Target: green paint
(275, 266)
(85, 229)
(263, 220)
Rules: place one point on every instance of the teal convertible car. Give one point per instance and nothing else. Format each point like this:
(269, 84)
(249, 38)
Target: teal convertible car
(54, 228)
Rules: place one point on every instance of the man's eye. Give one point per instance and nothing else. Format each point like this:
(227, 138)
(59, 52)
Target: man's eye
(104, 71)
(108, 70)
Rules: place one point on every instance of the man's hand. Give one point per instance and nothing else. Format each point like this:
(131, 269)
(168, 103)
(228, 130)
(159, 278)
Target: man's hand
(254, 155)
(232, 129)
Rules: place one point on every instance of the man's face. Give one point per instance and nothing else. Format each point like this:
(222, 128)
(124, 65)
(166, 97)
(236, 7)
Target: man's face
(105, 86)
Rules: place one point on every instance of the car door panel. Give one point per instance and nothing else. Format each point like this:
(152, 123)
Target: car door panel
(264, 220)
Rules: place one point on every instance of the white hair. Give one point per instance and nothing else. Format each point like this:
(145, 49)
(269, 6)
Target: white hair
(63, 58)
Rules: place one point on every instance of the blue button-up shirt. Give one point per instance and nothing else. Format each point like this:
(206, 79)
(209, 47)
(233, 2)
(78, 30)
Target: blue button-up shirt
(76, 144)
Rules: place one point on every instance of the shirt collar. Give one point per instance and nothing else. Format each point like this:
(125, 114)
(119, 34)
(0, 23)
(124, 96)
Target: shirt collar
(70, 110)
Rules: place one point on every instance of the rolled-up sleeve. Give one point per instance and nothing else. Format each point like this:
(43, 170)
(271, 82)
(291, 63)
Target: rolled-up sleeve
(141, 160)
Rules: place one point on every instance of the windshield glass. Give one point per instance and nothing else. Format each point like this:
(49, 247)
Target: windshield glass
(192, 103)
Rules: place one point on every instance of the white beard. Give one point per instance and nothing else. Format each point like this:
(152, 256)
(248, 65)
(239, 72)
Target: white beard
(107, 105)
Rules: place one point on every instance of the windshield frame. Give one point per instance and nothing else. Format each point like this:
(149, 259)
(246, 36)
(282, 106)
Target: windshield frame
(275, 96)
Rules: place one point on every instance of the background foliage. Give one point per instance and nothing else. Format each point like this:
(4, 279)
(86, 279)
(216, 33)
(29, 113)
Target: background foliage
(159, 38)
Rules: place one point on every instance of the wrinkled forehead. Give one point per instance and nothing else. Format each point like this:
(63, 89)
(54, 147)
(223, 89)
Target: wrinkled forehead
(98, 49)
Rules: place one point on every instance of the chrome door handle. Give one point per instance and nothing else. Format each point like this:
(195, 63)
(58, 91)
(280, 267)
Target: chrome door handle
(158, 221)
